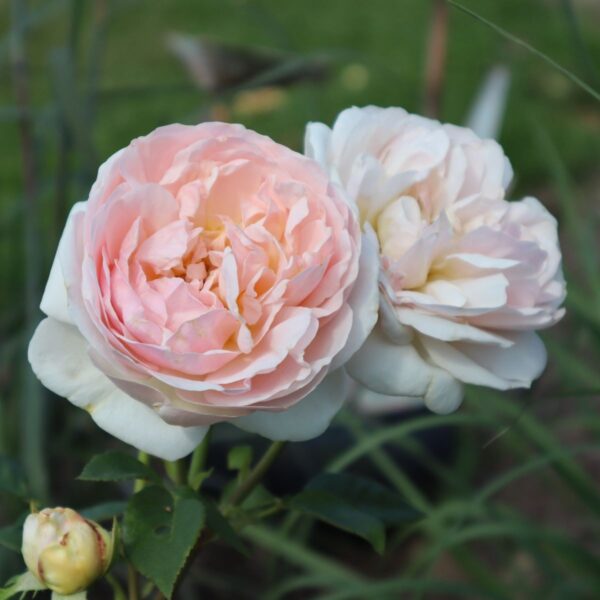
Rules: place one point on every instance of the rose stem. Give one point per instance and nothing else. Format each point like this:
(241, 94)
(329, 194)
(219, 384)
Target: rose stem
(174, 470)
(198, 462)
(139, 484)
(256, 474)
(436, 59)
(132, 583)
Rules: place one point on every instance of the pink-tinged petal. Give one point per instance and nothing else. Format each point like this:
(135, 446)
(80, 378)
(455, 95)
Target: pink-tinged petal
(164, 249)
(162, 362)
(283, 337)
(181, 302)
(228, 282)
(210, 276)
(207, 332)
(448, 330)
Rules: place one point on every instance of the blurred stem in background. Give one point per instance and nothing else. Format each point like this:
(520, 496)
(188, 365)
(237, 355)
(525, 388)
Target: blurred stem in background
(579, 46)
(436, 59)
(256, 474)
(32, 408)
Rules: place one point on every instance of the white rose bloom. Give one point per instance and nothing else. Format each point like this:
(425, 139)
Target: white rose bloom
(466, 276)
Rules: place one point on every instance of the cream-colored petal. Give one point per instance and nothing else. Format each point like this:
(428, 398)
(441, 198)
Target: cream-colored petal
(58, 356)
(54, 300)
(388, 368)
(364, 298)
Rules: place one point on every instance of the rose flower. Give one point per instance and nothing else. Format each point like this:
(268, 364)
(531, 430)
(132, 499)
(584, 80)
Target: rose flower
(212, 275)
(466, 276)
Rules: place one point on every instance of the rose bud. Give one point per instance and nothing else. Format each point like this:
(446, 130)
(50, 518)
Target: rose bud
(66, 552)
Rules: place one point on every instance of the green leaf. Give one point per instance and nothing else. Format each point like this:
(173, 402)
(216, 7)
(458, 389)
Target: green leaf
(195, 480)
(116, 466)
(12, 479)
(160, 529)
(240, 459)
(333, 510)
(219, 525)
(258, 498)
(104, 511)
(19, 584)
(354, 504)
(368, 496)
(11, 535)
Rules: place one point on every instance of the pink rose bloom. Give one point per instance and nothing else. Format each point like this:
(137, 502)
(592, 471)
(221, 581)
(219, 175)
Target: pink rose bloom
(212, 275)
(466, 276)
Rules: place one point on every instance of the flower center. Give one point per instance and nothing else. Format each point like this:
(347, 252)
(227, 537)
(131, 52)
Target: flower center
(399, 226)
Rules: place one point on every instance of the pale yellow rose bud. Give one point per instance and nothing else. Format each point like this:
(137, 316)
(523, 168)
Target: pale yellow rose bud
(65, 551)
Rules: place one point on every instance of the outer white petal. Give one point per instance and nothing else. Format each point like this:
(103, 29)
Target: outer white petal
(305, 420)
(389, 369)
(136, 424)
(444, 393)
(54, 301)
(371, 403)
(364, 298)
(58, 356)
(317, 140)
(519, 365)
(492, 366)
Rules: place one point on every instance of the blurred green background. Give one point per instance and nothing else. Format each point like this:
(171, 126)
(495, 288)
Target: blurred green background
(513, 511)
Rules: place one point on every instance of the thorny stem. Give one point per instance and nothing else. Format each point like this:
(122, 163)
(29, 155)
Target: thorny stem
(256, 474)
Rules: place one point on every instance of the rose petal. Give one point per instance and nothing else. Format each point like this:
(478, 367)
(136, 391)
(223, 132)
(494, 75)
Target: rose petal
(58, 356)
(390, 369)
(492, 366)
(364, 298)
(54, 301)
(305, 420)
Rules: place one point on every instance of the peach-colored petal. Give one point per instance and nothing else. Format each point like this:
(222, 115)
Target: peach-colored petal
(210, 273)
